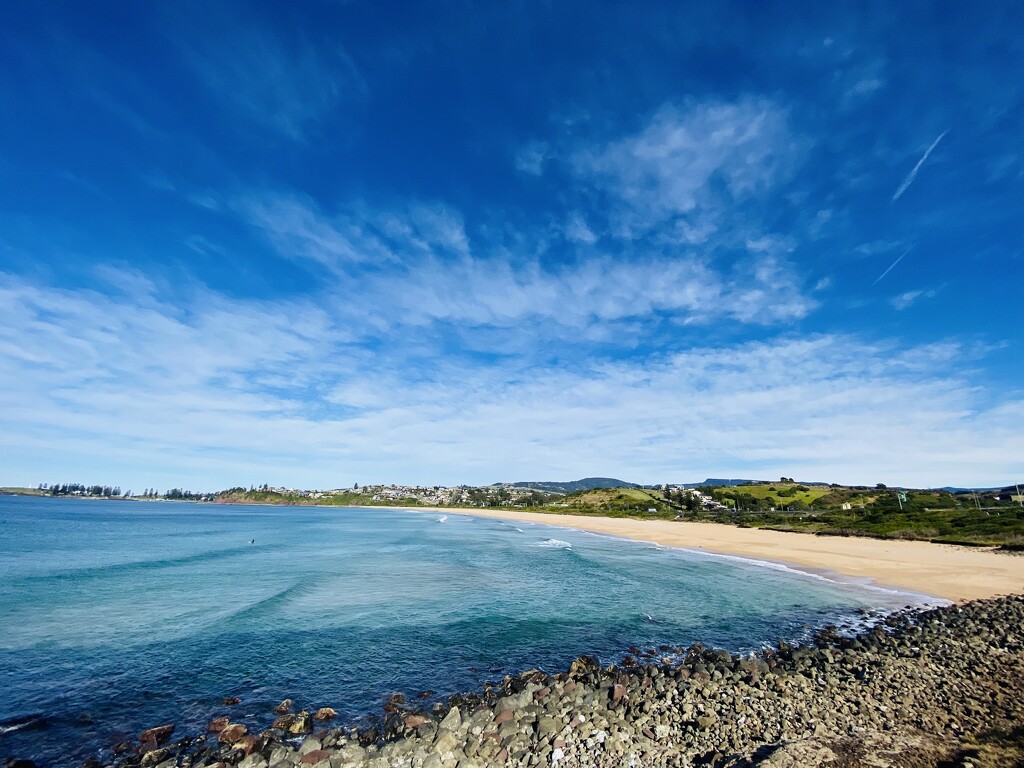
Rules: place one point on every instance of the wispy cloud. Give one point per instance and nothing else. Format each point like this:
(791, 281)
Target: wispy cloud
(913, 172)
(909, 298)
(666, 170)
(218, 391)
(288, 86)
(434, 275)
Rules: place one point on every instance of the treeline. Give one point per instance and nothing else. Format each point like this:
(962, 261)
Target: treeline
(177, 494)
(77, 489)
(114, 492)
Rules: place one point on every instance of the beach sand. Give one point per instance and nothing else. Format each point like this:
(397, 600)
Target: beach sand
(939, 570)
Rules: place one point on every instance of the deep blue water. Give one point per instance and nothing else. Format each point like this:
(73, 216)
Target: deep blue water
(117, 616)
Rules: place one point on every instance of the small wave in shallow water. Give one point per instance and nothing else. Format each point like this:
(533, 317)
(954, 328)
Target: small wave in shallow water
(554, 544)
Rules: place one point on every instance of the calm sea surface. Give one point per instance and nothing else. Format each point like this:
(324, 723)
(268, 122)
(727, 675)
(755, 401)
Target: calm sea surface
(117, 616)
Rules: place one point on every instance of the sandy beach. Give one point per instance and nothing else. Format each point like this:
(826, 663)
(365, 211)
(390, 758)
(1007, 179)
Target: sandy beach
(939, 570)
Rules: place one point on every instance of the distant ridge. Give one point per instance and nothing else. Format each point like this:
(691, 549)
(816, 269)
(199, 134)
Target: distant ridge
(589, 483)
(718, 481)
(571, 486)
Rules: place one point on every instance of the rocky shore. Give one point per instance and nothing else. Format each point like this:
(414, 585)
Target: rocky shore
(939, 687)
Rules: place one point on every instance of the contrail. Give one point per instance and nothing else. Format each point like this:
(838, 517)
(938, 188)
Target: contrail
(913, 173)
(898, 260)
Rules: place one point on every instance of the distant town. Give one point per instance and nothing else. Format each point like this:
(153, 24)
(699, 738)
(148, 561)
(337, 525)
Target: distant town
(973, 517)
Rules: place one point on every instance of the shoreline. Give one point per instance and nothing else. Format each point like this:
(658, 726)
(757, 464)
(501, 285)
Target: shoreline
(921, 569)
(815, 704)
(944, 571)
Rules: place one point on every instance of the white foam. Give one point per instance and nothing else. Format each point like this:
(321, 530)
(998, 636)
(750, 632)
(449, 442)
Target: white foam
(921, 599)
(17, 726)
(554, 544)
(442, 518)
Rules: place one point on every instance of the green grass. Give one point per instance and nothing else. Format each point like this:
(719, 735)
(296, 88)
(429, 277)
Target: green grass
(934, 516)
(779, 494)
(615, 502)
(16, 491)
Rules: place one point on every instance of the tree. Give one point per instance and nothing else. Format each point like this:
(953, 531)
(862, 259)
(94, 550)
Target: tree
(881, 486)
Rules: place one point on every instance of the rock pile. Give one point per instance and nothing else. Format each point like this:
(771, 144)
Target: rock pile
(911, 691)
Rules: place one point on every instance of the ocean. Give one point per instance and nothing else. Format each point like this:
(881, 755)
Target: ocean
(117, 616)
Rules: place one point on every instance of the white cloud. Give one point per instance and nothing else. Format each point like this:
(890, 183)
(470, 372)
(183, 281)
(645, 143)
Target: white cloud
(299, 230)
(690, 162)
(578, 231)
(218, 392)
(909, 298)
(531, 158)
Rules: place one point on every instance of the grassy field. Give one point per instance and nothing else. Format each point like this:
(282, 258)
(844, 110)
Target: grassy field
(986, 519)
(15, 491)
(615, 502)
(776, 494)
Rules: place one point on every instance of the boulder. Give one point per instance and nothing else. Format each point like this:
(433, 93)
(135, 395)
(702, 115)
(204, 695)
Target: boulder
(232, 733)
(325, 713)
(301, 724)
(218, 724)
(284, 707)
(154, 757)
(584, 665)
(415, 721)
(155, 736)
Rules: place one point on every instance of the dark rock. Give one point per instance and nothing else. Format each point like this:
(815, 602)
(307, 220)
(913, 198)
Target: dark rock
(415, 721)
(284, 707)
(301, 724)
(584, 665)
(154, 757)
(232, 733)
(155, 736)
(231, 701)
(284, 722)
(217, 725)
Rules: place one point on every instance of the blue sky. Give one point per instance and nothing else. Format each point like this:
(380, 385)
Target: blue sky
(318, 243)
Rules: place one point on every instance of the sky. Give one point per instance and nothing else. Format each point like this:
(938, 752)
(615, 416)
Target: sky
(320, 243)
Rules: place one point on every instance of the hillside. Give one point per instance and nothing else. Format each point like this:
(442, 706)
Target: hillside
(972, 518)
(572, 486)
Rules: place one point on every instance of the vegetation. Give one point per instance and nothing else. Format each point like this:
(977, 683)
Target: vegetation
(77, 489)
(983, 519)
(617, 502)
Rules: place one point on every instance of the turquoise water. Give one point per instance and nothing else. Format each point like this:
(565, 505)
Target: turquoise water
(117, 616)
